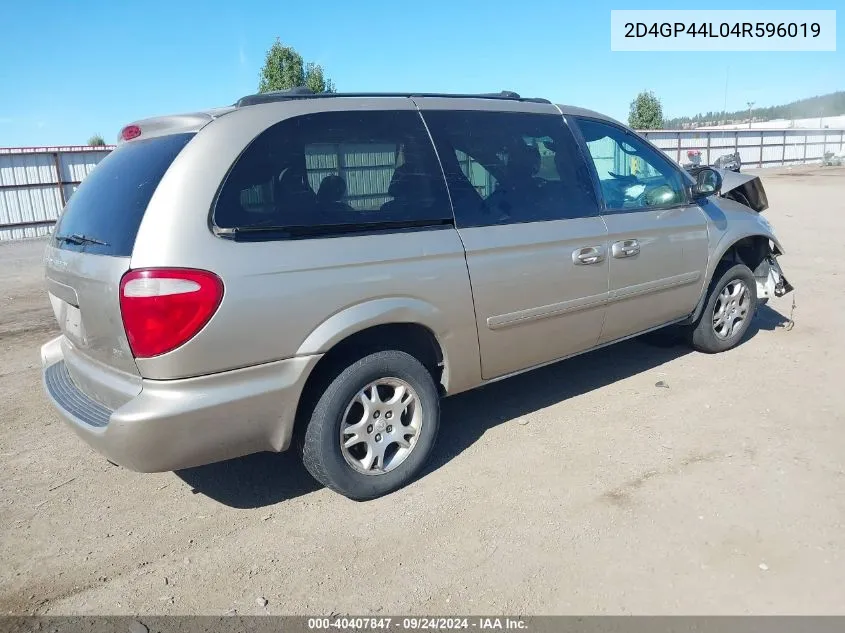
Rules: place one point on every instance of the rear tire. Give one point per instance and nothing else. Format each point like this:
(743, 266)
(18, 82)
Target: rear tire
(731, 304)
(374, 427)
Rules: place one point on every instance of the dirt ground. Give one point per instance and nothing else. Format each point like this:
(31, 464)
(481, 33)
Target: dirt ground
(579, 488)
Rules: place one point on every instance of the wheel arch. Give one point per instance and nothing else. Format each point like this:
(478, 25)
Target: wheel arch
(414, 338)
(402, 323)
(359, 324)
(749, 249)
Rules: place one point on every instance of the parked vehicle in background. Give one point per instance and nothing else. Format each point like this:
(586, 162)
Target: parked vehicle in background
(726, 162)
(729, 162)
(320, 270)
(834, 159)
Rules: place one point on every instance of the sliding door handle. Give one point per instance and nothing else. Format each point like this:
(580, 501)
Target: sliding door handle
(588, 255)
(625, 248)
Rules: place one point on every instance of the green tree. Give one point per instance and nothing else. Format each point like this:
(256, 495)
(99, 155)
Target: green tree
(316, 80)
(96, 141)
(646, 112)
(284, 68)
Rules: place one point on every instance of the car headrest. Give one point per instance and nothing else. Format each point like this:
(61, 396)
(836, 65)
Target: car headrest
(332, 188)
(523, 160)
(406, 183)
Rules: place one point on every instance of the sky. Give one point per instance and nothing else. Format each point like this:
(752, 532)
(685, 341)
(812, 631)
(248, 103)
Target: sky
(69, 70)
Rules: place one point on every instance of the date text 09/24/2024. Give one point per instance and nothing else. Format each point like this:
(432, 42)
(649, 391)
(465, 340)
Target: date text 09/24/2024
(415, 623)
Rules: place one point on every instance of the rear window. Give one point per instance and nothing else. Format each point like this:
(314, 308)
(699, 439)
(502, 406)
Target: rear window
(110, 202)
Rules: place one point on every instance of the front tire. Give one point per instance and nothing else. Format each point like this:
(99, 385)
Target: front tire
(731, 304)
(374, 427)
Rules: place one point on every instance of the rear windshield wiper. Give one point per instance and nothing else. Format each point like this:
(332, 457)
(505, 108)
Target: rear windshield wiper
(79, 239)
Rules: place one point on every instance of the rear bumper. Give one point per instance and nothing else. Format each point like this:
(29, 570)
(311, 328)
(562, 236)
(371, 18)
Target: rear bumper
(174, 424)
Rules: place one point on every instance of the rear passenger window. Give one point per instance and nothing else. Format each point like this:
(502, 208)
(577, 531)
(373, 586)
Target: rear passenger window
(505, 167)
(335, 172)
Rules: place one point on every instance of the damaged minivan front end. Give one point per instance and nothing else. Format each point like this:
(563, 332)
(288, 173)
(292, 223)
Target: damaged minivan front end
(743, 188)
(748, 237)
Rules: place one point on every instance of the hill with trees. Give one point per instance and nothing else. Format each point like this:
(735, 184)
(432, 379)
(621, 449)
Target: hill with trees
(832, 104)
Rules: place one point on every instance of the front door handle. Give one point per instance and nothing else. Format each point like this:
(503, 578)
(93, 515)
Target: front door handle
(588, 255)
(625, 248)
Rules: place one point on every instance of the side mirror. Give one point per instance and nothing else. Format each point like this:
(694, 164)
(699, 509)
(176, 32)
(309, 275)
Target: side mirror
(708, 182)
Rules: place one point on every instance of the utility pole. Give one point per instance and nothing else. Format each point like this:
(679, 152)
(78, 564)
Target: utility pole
(750, 105)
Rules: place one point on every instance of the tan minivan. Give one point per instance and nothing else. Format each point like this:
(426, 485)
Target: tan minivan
(327, 267)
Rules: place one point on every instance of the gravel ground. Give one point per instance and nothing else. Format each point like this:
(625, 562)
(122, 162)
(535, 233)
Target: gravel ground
(579, 488)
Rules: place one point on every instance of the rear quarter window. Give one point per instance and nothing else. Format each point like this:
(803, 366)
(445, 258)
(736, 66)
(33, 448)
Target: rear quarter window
(331, 173)
(110, 203)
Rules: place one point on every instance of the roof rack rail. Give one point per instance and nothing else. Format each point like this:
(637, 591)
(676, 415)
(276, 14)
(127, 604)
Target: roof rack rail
(303, 92)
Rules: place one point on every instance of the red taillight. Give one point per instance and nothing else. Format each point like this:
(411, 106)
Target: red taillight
(163, 308)
(130, 132)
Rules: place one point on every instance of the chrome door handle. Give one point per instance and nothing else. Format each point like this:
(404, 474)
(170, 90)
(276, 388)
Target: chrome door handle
(625, 248)
(588, 255)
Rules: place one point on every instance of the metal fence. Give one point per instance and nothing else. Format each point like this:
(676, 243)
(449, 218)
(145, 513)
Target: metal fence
(756, 148)
(36, 182)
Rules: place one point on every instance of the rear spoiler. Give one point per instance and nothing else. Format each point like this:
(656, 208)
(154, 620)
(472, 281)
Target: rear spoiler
(171, 124)
(743, 188)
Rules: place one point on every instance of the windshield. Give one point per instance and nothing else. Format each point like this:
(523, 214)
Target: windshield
(104, 214)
